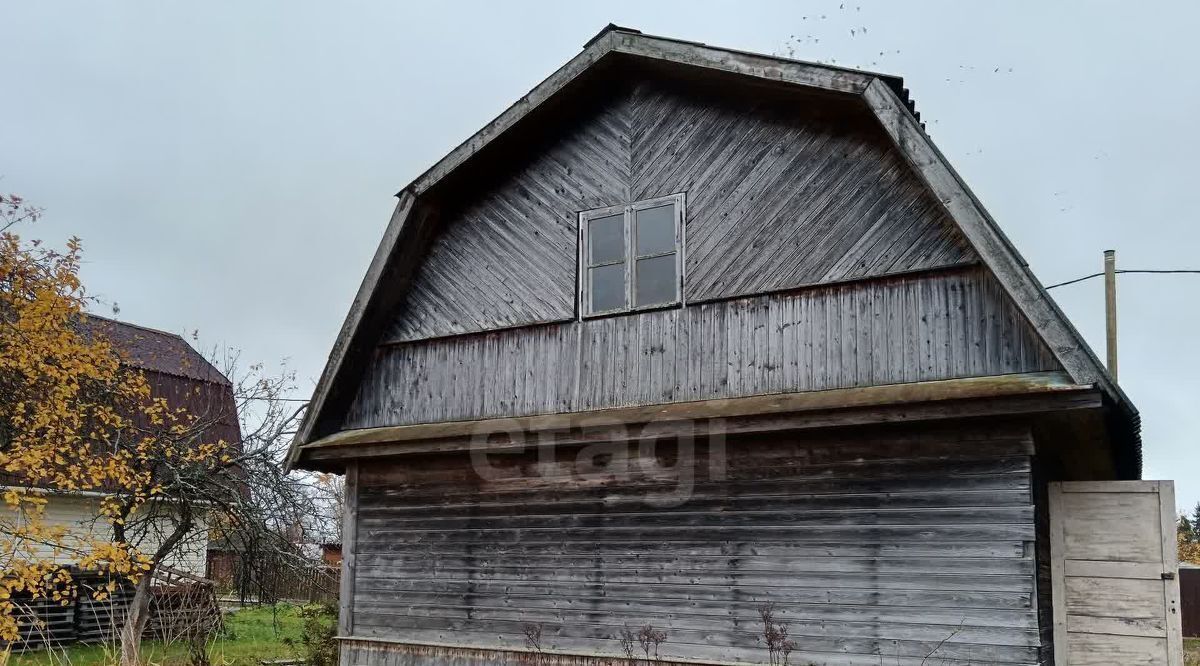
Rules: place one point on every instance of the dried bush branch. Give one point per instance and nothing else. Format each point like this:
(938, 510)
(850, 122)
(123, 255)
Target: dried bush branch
(650, 640)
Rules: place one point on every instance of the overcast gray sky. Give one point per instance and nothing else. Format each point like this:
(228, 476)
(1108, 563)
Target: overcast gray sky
(230, 166)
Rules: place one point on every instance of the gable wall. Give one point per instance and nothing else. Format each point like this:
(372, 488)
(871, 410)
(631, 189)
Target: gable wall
(815, 259)
(943, 325)
(780, 194)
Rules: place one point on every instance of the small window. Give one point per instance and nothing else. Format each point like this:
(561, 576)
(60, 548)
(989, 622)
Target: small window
(630, 257)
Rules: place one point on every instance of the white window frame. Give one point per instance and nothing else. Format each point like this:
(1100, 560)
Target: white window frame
(628, 212)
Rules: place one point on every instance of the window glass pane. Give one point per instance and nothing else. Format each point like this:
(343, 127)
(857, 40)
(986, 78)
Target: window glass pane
(608, 287)
(655, 280)
(656, 230)
(607, 238)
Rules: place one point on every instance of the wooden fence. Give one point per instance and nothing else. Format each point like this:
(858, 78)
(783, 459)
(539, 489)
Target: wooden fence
(271, 579)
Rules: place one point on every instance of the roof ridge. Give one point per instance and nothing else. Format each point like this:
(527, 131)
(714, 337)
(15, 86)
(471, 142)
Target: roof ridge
(611, 27)
(186, 361)
(133, 325)
(757, 54)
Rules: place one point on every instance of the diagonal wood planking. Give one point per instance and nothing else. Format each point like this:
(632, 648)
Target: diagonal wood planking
(780, 195)
(508, 256)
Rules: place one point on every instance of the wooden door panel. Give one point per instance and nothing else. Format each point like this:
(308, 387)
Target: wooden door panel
(1113, 571)
(1108, 569)
(1117, 626)
(1115, 597)
(1110, 650)
(1092, 520)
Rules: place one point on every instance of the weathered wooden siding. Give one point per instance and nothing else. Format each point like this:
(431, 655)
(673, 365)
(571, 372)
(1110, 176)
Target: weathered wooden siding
(387, 653)
(779, 194)
(1114, 572)
(778, 198)
(871, 544)
(894, 330)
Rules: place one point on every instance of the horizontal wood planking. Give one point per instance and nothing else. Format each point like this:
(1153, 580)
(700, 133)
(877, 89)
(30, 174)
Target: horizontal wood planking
(895, 330)
(707, 518)
(733, 632)
(779, 196)
(385, 652)
(866, 640)
(871, 544)
(620, 560)
(754, 499)
(923, 607)
(995, 604)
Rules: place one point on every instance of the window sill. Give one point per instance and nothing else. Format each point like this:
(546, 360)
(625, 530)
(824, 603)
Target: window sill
(629, 311)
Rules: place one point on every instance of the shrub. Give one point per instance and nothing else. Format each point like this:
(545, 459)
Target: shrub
(317, 639)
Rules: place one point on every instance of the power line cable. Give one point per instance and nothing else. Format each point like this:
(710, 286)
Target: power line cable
(1096, 275)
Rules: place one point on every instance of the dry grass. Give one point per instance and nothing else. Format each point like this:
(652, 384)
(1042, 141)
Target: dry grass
(1191, 652)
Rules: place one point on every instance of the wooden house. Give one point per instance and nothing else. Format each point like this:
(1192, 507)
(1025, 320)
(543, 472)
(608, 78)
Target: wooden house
(687, 336)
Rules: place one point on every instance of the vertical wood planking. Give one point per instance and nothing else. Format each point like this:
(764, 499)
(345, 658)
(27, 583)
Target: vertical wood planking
(1170, 559)
(939, 326)
(349, 539)
(911, 331)
(819, 330)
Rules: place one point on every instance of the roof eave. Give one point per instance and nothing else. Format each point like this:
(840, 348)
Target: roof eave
(972, 396)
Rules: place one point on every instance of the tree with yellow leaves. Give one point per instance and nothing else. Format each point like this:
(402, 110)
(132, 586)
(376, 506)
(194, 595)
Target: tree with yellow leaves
(74, 418)
(1186, 537)
(63, 396)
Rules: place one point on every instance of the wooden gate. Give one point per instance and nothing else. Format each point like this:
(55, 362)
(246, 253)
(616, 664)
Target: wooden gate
(1114, 573)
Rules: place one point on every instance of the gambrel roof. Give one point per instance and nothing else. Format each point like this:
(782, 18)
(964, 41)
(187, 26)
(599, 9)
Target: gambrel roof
(400, 250)
(173, 370)
(153, 350)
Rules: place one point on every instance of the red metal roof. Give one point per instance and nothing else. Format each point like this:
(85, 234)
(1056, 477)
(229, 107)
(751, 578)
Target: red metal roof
(175, 371)
(154, 350)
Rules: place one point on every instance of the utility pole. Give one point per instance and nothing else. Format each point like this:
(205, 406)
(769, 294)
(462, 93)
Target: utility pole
(1110, 309)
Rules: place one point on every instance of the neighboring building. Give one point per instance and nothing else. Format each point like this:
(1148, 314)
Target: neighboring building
(177, 372)
(331, 554)
(687, 332)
